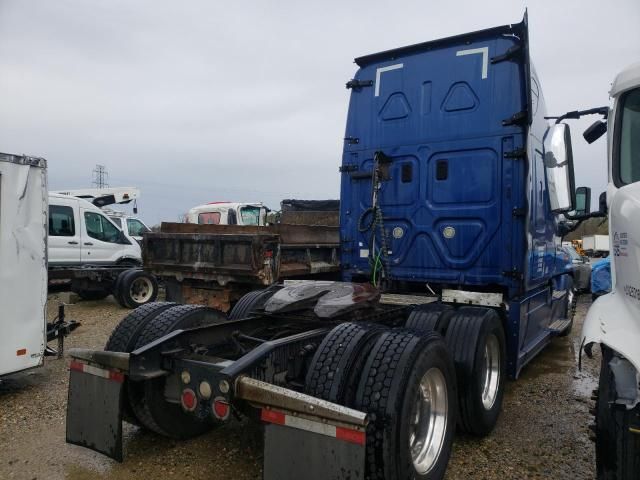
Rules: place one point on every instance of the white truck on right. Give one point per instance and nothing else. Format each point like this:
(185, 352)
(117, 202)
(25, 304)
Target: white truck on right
(613, 321)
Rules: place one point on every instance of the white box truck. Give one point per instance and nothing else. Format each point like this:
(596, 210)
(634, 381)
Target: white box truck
(596, 245)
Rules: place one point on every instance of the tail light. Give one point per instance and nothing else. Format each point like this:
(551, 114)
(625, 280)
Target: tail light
(189, 400)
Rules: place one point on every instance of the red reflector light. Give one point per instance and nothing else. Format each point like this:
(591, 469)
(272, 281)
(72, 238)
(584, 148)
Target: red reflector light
(22, 351)
(189, 400)
(221, 409)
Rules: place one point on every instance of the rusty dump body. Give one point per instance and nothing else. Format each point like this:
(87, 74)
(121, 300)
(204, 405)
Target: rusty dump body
(215, 265)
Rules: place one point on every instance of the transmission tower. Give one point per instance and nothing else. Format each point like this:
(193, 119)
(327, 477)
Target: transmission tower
(100, 176)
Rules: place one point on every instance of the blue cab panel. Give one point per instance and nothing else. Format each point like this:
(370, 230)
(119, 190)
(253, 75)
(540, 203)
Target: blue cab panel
(461, 121)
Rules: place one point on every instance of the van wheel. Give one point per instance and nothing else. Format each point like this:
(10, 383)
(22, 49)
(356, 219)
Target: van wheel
(135, 288)
(124, 338)
(476, 340)
(617, 437)
(152, 408)
(408, 389)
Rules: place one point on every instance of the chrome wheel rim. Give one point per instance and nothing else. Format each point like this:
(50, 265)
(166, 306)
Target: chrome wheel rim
(490, 372)
(428, 421)
(141, 290)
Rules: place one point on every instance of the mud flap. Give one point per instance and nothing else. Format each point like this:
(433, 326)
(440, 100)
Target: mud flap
(94, 409)
(292, 454)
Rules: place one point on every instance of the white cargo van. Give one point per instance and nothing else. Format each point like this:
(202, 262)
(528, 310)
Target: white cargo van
(81, 234)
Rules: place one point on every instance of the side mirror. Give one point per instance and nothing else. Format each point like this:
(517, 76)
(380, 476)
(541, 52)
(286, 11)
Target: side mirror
(602, 203)
(595, 131)
(558, 163)
(583, 201)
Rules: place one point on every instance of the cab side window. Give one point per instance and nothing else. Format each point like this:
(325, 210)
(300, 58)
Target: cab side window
(61, 222)
(100, 228)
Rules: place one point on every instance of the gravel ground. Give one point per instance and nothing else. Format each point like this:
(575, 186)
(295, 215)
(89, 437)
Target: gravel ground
(542, 431)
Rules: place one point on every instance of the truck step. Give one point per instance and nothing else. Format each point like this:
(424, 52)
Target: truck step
(559, 326)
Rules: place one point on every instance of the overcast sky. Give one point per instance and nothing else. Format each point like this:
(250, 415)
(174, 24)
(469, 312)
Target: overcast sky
(196, 101)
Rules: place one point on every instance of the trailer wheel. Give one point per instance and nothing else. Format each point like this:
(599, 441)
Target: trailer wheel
(92, 294)
(617, 446)
(337, 363)
(430, 317)
(248, 302)
(152, 409)
(124, 338)
(408, 389)
(136, 287)
(476, 340)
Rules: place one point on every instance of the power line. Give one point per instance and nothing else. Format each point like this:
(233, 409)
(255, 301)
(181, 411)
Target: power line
(100, 176)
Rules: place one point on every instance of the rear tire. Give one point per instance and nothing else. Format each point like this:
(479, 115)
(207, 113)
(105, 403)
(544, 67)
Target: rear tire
(617, 448)
(408, 389)
(476, 341)
(136, 288)
(337, 364)
(432, 317)
(249, 302)
(152, 409)
(124, 338)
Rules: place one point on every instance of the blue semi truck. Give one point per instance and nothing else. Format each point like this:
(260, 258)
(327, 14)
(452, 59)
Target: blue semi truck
(453, 189)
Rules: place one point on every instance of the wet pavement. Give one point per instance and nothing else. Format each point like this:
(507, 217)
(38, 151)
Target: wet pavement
(542, 431)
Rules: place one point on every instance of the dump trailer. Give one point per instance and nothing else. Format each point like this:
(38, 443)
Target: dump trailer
(216, 265)
(452, 188)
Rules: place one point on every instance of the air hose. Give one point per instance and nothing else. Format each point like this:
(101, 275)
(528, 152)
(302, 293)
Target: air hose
(370, 219)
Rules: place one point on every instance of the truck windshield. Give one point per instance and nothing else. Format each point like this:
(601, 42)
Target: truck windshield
(250, 215)
(136, 227)
(629, 148)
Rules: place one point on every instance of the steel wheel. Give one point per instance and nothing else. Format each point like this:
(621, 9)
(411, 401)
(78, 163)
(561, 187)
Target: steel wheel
(429, 426)
(141, 290)
(490, 372)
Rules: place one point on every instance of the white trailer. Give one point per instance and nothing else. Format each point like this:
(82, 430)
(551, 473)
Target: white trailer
(23, 256)
(596, 244)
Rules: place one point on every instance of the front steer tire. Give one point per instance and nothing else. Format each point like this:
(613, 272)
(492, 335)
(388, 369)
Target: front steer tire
(399, 368)
(151, 407)
(617, 430)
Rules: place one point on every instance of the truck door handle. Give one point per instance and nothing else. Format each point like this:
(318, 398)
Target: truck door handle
(88, 243)
(72, 243)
